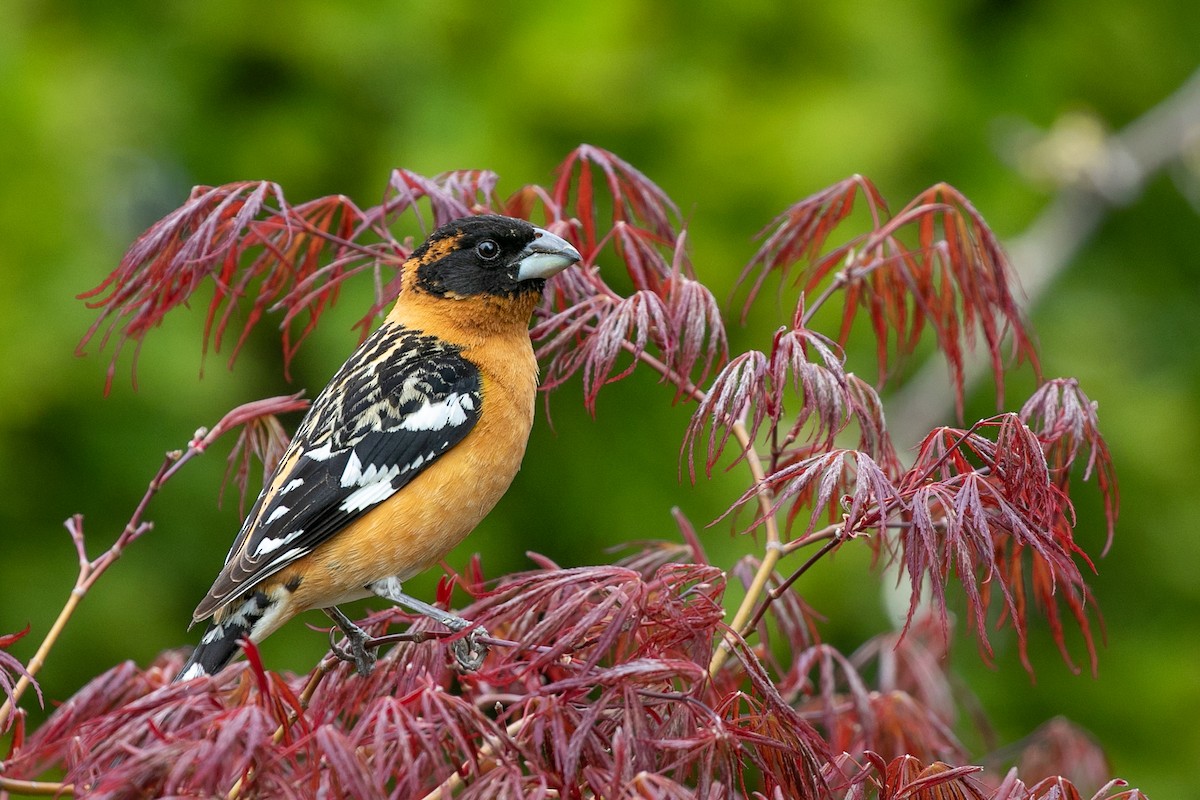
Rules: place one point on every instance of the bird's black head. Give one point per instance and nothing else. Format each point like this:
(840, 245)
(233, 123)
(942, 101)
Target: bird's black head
(489, 255)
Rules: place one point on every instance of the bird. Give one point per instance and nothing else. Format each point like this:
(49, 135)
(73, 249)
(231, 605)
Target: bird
(413, 441)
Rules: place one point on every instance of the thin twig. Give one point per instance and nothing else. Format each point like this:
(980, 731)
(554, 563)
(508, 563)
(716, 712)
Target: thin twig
(91, 570)
(839, 282)
(766, 502)
(424, 636)
(828, 532)
(37, 788)
(777, 592)
(681, 382)
(39, 658)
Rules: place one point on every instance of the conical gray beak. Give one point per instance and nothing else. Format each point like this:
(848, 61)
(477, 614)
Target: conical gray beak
(546, 255)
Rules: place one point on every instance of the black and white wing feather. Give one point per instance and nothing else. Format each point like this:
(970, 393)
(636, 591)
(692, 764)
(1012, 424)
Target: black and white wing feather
(400, 401)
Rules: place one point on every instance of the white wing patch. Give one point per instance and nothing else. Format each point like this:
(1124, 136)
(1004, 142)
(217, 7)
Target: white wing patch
(271, 545)
(374, 482)
(321, 453)
(293, 484)
(446, 413)
(355, 475)
(352, 474)
(367, 496)
(371, 483)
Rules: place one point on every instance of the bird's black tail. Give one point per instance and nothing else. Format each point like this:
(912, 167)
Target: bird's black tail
(216, 649)
(222, 640)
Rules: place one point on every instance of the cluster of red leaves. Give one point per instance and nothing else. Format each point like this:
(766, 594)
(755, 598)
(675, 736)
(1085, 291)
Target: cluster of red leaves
(602, 690)
(11, 666)
(620, 692)
(609, 687)
(983, 509)
(954, 278)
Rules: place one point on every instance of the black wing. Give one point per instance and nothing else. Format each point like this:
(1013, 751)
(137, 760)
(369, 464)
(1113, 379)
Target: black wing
(401, 401)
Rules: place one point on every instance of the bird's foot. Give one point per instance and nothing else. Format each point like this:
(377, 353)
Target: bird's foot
(356, 653)
(357, 649)
(468, 651)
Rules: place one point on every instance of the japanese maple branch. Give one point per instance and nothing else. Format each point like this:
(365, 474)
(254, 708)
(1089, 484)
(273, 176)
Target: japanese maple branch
(828, 532)
(90, 570)
(738, 626)
(839, 282)
(879, 243)
(777, 592)
(487, 752)
(36, 788)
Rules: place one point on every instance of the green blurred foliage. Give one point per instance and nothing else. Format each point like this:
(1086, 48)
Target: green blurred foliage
(112, 111)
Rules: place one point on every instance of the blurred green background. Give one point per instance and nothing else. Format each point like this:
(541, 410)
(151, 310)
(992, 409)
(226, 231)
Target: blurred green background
(110, 112)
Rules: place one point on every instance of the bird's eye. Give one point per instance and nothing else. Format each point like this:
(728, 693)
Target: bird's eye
(488, 250)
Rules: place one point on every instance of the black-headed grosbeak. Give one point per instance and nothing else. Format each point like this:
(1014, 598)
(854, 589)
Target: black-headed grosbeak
(414, 440)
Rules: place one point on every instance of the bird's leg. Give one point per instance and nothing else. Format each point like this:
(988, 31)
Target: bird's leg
(468, 651)
(356, 641)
